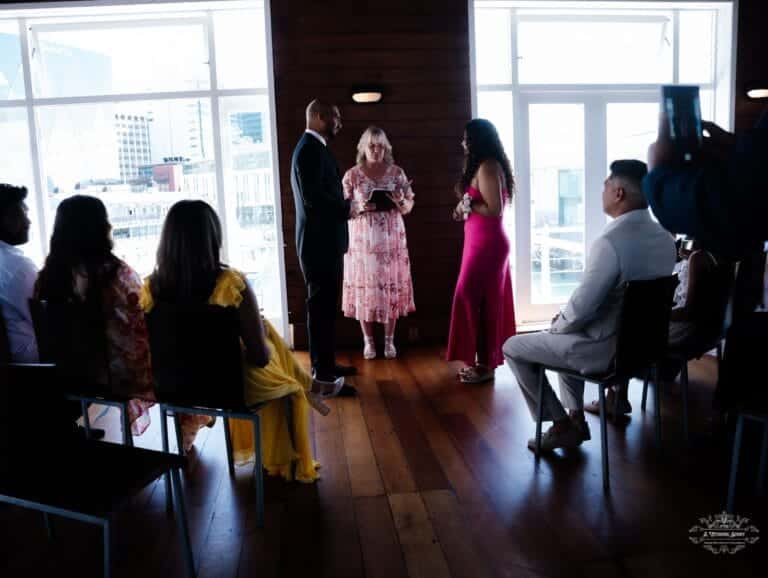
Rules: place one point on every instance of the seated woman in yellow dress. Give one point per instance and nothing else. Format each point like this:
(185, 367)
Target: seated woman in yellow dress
(189, 269)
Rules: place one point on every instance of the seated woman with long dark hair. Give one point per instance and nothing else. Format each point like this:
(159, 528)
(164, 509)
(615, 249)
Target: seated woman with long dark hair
(82, 268)
(189, 269)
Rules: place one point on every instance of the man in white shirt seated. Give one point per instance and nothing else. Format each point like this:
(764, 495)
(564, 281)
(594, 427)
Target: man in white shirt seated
(583, 336)
(17, 274)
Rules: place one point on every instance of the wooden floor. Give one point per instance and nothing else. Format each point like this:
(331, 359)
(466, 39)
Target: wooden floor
(425, 477)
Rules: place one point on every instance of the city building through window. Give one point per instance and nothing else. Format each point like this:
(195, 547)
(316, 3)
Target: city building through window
(143, 106)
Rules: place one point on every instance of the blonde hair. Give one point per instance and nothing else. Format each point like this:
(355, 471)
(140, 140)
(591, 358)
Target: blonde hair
(374, 133)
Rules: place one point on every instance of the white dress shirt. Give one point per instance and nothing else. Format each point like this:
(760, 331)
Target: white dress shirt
(17, 283)
(317, 135)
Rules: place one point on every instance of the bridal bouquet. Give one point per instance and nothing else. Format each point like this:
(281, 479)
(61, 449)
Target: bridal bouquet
(466, 205)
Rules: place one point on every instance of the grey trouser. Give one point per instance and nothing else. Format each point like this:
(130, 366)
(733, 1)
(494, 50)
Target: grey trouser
(525, 354)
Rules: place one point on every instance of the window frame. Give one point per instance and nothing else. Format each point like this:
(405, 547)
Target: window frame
(595, 99)
(116, 13)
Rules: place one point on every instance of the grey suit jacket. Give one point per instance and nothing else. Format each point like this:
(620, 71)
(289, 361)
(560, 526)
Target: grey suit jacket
(632, 247)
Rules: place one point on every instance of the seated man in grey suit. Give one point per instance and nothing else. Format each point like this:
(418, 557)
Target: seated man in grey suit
(583, 335)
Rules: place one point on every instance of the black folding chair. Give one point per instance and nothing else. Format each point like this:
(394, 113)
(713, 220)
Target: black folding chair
(73, 336)
(761, 418)
(198, 369)
(95, 479)
(5, 344)
(708, 338)
(640, 343)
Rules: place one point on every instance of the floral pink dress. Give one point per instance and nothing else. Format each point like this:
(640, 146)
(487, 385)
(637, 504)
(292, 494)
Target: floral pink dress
(377, 270)
(128, 341)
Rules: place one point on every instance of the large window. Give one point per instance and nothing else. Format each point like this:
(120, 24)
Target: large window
(572, 86)
(142, 106)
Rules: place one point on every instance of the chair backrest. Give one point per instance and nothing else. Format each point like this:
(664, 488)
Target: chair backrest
(24, 387)
(643, 324)
(5, 342)
(196, 355)
(712, 316)
(73, 336)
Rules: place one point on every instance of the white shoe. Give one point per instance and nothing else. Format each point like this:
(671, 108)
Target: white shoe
(389, 348)
(369, 350)
(326, 389)
(567, 438)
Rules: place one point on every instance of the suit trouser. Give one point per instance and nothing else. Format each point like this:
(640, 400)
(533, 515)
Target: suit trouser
(323, 282)
(525, 354)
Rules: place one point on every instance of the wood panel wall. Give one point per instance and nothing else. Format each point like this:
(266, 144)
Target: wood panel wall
(752, 60)
(419, 53)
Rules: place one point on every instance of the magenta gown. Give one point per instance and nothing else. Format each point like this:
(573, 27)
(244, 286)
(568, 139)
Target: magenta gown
(484, 288)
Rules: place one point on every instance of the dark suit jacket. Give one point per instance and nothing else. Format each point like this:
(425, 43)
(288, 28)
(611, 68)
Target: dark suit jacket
(321, 210)
(723, 205)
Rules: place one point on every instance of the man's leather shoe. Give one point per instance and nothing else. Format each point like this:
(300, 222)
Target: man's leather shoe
(344, 370)
(347, 391)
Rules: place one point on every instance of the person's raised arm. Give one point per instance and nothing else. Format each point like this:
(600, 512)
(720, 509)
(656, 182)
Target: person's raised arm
(252, 329)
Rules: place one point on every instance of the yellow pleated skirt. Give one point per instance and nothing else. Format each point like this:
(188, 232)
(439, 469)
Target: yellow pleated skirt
(283, 453)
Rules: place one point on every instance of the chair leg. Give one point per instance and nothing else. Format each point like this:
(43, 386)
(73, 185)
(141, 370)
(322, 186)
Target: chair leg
(179, 437)
(684, 392)
(603, 437)
(166, 475)
(228, 442)
(288, 403)
(258, 472)
(763, 461)
(86, 419)
(734, 465)
(48, 526)
(540, 411)
(126, 421)
(181, 520)
(107, 548)
(657, 403)
(645, 389)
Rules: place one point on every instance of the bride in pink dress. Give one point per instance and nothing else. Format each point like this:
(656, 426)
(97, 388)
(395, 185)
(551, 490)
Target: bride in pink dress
(483, 315)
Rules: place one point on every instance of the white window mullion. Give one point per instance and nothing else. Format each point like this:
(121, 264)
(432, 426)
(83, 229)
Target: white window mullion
(675, 46)
(142, 96)
(521, 205)
(37, 169)
(596, 155)
(287, 335)
(472, 58)
(221, 203)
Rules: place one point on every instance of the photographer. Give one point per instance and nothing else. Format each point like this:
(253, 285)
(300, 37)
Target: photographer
(720, 197)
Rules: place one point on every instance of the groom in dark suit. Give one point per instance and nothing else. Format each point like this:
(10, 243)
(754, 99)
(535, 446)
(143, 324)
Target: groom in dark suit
(321, 235)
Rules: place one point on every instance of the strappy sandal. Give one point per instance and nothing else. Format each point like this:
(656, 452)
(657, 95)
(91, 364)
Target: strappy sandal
(472, 375)
(316, 402)
(463, 370)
